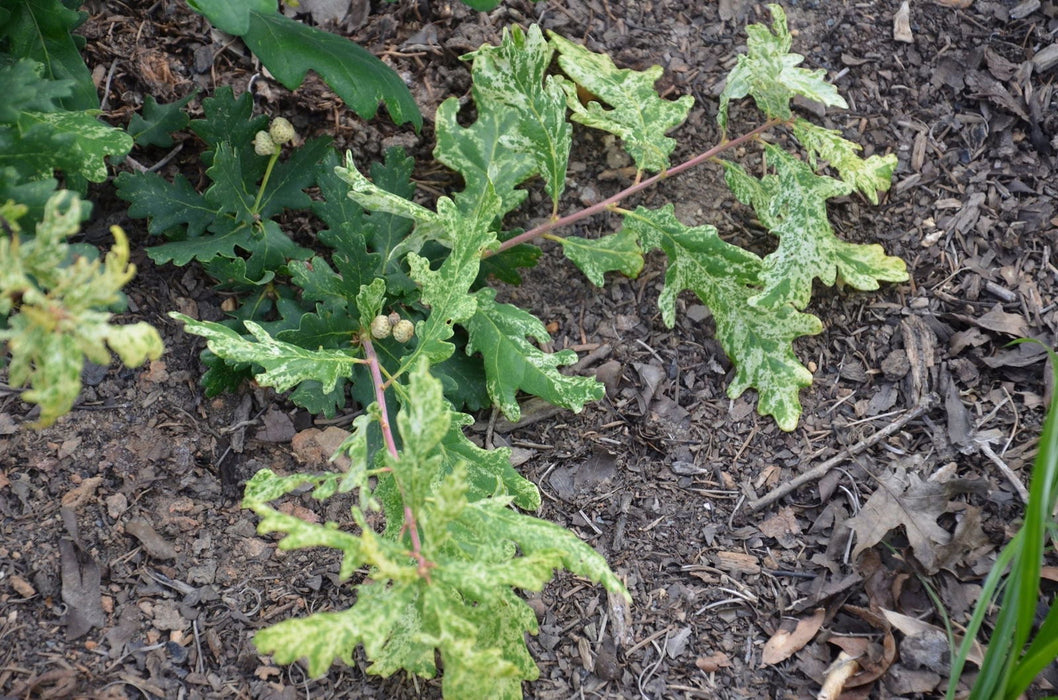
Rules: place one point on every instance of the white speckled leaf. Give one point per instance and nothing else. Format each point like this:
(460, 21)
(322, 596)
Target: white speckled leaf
(92, 140)
(759, 341)
(595, 257)
(792, 204)
(635, 113)
(286, 365)
(513, 76)
(446, 291)
(499, 332)
(771, 76)
(870, 176)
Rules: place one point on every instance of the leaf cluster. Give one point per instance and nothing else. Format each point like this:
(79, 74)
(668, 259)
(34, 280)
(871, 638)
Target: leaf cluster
(48, 119)
(54, 305)
(440, 576)
(57, 304)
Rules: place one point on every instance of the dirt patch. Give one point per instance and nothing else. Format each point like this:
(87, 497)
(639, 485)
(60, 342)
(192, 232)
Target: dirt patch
(128, 568)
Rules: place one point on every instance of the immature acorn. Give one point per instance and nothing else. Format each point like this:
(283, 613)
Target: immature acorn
(281, 131)
(403, 331)
(263, 145)
(381, 327)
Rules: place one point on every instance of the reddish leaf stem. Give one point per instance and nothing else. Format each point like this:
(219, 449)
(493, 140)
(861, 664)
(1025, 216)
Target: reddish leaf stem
(380, 395)
(606, 204)
(410, 526)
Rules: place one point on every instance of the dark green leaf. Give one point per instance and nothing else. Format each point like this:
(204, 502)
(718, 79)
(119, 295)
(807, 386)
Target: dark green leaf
(41, 30)
(289, 49)
(174, 210)
(156, 124)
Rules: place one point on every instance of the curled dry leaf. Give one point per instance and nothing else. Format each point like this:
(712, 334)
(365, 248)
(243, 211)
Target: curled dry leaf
(713, 662)
(785, 643)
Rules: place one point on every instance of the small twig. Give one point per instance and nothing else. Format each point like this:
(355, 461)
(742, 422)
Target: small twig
(987, 451)
(820, 471)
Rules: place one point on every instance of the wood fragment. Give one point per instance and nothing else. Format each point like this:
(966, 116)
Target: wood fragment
(902, 24)
(1046, 58)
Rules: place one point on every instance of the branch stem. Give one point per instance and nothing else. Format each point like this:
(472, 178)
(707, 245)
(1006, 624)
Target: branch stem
(423, 565)
(610, 202)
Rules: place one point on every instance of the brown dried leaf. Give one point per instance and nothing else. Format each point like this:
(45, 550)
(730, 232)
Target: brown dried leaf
(876, 658)
(904, 499)
(782, 526)
(77, 496)
(81, 590)
(713, 662)
(785, 643)
(737, 563)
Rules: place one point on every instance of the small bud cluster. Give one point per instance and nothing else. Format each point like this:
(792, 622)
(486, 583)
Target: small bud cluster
(401, 329)
(267, 143)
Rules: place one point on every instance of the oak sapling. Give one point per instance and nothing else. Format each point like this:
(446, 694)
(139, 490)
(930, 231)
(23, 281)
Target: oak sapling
(442, 576)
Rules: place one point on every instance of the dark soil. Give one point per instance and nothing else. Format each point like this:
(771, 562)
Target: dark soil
(128, 569)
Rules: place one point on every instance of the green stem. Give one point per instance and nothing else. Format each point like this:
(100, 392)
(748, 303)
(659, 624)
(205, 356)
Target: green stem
(608, 203)
(264, 181)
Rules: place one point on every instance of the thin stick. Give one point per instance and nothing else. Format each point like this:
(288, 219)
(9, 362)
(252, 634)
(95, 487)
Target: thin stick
(820, 471)
(1023, 492)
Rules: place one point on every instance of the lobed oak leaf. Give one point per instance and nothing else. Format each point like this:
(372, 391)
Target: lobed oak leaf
(903, 499)
(634, 111)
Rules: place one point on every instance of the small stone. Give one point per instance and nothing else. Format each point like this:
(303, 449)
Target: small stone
(117, 504)
(23, 587)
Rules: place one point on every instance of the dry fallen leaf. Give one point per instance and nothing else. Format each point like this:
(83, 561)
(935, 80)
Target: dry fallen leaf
(785, 643)
(79, 495)
(782, 526)
(904, 499)
(713, 662)
(874, 658)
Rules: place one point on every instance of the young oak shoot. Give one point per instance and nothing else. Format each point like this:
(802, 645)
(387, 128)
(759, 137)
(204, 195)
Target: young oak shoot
(441, 577)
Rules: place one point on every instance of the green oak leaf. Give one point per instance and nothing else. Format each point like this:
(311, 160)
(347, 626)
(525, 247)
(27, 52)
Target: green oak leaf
(269, 246)
(25, 90)
(231, 121)
(290, 177)
(154, 126)
(499, 332)
(769, 73)
(513, 76)
(41, 30)
(757, 339)
(636, 114)
(870, 176)
(174, 210)
(463, 378)
(285, 364)
(792, 204)
(476, 152)
(289, 49)
(596, 256)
